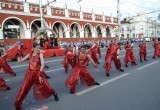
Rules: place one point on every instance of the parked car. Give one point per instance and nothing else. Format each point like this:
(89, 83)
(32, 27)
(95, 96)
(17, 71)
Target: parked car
(147, 39)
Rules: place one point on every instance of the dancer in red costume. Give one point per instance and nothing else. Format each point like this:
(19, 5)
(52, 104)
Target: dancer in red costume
(112, 54)
(98, 50)
(156, 49)
(143, 51)
(80, 71)
(70, 58)
(4, 65)
(34, 77)
(129, 57)
(93, 53)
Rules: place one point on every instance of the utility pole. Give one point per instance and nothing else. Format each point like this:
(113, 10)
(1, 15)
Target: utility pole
(118, 19)
(41, 13)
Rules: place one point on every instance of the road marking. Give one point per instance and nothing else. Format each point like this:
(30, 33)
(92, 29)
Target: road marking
(140, 68)
(54, 70)
(102, 84)
(7, 80)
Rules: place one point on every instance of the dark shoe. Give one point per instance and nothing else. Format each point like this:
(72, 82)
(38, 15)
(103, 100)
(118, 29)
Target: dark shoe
(47, 66)
(96, 83)
(56, 97)
(153, 57)
(135, 63)
(48, 77)
(145, 59)
(98, 63)
(99, 56)
(141, 61)
(87, 64)
(18, 107)
(121, 70)
(8, 88)
(14, 74)
(107, 75)
(72, 90)
(126, 65)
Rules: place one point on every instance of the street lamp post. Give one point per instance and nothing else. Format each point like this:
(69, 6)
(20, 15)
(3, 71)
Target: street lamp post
(41, 14)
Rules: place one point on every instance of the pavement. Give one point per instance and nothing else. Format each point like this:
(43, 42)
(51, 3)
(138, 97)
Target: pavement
(137, 88)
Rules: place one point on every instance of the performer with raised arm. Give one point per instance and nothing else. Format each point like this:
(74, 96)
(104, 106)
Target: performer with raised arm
(112, 54)
(80, 72)
(156, 49)
(70, 57)
(143, 51)
(129, 57)
(34, 77)
(4, 65)
(93, 53)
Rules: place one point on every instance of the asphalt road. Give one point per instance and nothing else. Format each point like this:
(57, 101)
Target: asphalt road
(138, 88)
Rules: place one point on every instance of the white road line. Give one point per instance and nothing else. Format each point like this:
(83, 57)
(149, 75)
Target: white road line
(54, 70)
(140, 68)
(7, 80)
(102, 84)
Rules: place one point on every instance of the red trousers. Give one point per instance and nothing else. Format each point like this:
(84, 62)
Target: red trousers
(41, 90)
(3, 85)
(83, 74)
(142, 55)
(116, 61)
(69, 59)
(129, 57)
(7, 69)
(156, 52)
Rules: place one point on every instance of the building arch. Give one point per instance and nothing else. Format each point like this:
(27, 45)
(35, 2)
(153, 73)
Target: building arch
(108, 31)
(13, 27)
(88, 29)
(75, 29)
(60, 29)
(99, 30)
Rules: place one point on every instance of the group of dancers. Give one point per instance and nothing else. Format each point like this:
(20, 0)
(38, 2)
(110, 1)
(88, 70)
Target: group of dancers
(36, 77)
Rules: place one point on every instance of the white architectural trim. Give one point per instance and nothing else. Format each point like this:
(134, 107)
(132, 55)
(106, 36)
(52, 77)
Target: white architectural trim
(37, 20)
(62, 23)
(77, 24)
(13, 17)
(58, 17)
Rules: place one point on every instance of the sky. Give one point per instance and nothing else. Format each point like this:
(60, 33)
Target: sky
(128, 8)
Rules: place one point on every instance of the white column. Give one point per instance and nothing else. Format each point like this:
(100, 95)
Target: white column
(27, 34)
(26, 7)
(93, 17)
(49, 10)
(0, 5)
(81, 15)
(104, 34)
(67, 34)
(112, 34)
(66, 13)
(94, 34)
(81, 34)
(1, 34)
(103, 18)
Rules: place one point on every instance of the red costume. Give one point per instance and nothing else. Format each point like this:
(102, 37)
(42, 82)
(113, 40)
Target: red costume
(80, 71)
(142, 51)
(111, 54)
(93, 54)
(6, 68)
(70, 58)
(129, 57)
(156, 49)
(41, 90)
(98, 50)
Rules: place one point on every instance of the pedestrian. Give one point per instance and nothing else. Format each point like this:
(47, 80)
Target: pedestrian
(112, 54)
(143, 51)
(34, 77)
(129, 57)
(80, 72)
